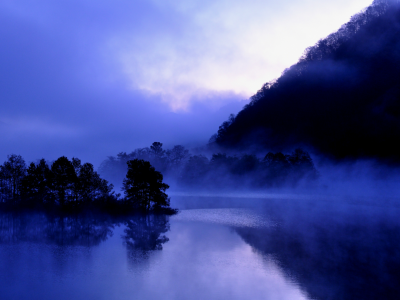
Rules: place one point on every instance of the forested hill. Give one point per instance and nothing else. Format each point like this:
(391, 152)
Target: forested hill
(342, 98)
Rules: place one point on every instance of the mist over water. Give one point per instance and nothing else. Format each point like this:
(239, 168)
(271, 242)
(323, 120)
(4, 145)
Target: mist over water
(296, 197)
(218, 246)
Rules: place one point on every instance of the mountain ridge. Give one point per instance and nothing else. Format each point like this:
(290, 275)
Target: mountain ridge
(341, 99)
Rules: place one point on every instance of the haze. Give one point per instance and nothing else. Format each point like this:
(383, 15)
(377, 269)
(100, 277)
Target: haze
(93, 78)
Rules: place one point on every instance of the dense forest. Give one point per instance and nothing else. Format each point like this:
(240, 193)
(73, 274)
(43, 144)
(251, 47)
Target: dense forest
(64, 181)
(197, 171)
(69, 185)
(341, 99)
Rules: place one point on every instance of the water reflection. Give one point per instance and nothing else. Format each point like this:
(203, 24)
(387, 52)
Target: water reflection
(142, 233)
(45, 257)
(284, 249)
(341, 251)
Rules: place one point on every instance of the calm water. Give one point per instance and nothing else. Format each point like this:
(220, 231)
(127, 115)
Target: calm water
(231, 247)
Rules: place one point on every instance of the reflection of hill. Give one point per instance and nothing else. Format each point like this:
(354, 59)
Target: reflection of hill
(333, 256)
(143, 231)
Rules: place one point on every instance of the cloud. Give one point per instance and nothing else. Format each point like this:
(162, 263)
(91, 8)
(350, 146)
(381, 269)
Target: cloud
(222, 46)
(92, 78)
(182, 50)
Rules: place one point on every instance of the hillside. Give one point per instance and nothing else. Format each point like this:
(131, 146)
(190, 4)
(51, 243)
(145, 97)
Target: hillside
(342, 98)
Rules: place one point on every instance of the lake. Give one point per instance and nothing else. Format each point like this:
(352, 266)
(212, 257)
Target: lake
(227, 246)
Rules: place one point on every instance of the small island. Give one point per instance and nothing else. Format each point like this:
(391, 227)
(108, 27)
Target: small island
(70, 186)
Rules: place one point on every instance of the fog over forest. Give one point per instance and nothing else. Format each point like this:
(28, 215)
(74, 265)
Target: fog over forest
(341, 100)
(203, 171)
(329, 123)
(93, 79)
(338, 106)
(119, 181)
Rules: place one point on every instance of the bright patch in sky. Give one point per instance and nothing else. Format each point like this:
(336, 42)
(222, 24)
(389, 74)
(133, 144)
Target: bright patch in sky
(198, 48)
(91, 78)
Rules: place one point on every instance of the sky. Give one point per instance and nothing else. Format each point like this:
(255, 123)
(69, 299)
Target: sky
(91, 78)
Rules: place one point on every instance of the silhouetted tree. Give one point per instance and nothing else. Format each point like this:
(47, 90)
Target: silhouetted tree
(36, 185)
(157, 150)
(166, 161)
(4, 186)
(64, 179)
(90, 185)
(143, 186)
(65, 182)
(224, 127)
(275, 168)
(302, 164)
(12, 172)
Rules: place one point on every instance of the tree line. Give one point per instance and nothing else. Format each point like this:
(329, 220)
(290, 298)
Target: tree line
(69, 184)
(219, 170)
(64, 182)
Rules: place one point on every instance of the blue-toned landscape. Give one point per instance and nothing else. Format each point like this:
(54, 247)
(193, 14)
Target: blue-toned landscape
(260, 247)
(200, 149)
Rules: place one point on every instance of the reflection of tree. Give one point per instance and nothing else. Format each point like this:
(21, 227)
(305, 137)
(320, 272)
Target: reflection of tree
(79, 231)
(60, 230)
(145, 234)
